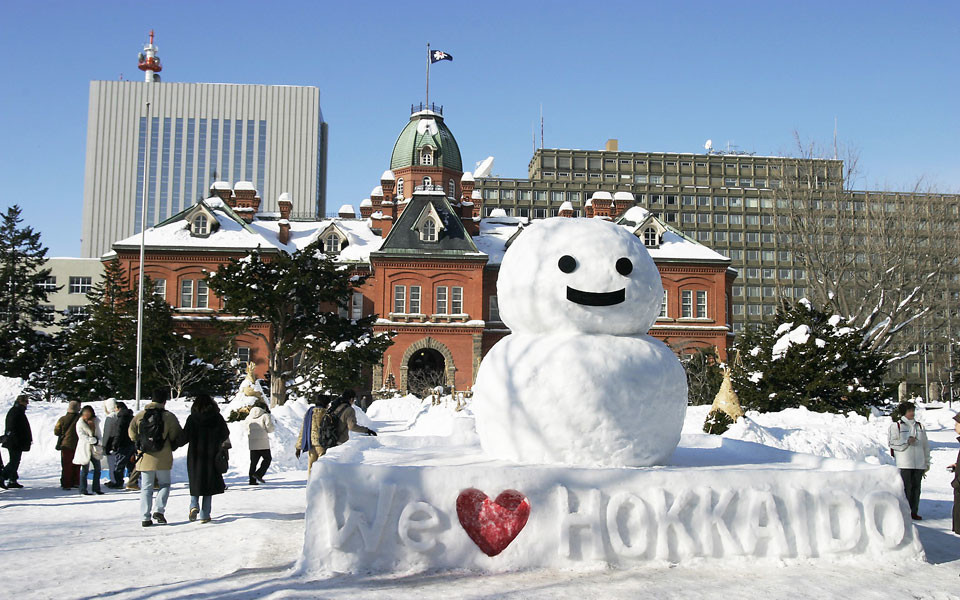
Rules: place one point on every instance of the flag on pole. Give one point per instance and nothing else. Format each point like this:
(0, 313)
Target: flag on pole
(438, 55)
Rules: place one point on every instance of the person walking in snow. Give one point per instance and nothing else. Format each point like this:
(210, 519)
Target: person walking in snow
(156, 432)
(66, 432)
(346, 421)
(89, 449)
(908, 442)
(205, 432)
(259, 427)
(17, 439)
(122, 446)
(956, 480)
(109, 441)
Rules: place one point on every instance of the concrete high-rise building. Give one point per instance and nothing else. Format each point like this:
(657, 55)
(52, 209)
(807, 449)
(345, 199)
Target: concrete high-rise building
(191, 135)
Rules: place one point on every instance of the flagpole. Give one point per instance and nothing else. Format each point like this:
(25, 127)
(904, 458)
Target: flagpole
(143, 234)
(428, 76)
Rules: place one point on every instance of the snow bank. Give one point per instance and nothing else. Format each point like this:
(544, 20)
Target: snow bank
(10, 388)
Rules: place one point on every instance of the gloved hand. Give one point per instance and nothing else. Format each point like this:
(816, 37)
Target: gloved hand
(372, 432)
(297, 453)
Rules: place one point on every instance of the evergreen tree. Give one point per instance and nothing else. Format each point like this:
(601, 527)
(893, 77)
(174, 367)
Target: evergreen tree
(299, 296)
(809, 358)
(22, 298)
(703, 376)
(99, 349)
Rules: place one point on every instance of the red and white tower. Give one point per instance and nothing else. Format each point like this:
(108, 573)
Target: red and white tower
(149, 62)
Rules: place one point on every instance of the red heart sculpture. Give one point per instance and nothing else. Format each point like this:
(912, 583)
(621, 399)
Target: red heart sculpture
(492, 525)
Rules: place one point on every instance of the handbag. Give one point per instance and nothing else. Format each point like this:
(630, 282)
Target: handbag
(222, 460)
(96, 453)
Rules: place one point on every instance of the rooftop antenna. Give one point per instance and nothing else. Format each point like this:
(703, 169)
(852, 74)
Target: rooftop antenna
(149, 62)
(708, 146)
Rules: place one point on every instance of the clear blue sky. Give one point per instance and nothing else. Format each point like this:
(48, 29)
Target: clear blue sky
(660, 76)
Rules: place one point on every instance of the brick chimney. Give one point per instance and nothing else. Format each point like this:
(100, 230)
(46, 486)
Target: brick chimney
(366, 208)
(246, 202)
(285, 205)
(588, 208)
(621, 202)
(284, 233)
(388, 206)
(477, 199)
(602, 204)
(566, 210)
(466, 207)
(222, 190)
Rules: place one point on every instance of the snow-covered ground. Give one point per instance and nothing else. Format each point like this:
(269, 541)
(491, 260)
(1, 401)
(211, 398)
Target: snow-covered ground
(58, 544)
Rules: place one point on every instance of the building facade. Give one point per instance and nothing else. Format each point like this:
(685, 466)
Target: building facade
(69, 282)
(742, 206)
(194, 134)
(432, 263)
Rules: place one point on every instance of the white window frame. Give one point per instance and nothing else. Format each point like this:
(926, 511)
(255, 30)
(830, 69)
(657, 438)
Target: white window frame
(428, 230)
(442, 297)
(414, 299)
(456, 300)
(664, 313)
(427, 180)
(202, 294)
(356, 306)
(686, 304)
(650, 237)
(452, 189)
(200, 225)
(331, 243)
(186, 291)
(160, 287)
(400, 188)
(399, 299)
(426, 157)
(80, 285)
(701, 306)
(494, 309)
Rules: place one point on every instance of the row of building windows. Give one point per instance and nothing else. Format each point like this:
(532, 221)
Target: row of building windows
(192, 172)
(596, 163)
(703, 180)
(448, 300)
(693, 304)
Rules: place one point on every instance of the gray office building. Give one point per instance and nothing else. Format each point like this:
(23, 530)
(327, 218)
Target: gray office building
(196, 133)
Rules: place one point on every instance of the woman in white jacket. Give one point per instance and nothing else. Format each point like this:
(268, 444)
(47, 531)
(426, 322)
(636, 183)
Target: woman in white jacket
(89, 450)
(908, 441)
(259, 427)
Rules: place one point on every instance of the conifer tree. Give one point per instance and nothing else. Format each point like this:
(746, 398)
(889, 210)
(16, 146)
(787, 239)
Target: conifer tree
(22, 298)
(809, 358)
(299, 297)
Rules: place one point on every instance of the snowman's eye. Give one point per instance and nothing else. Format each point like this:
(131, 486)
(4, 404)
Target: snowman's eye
(624, 266)
(567, 263)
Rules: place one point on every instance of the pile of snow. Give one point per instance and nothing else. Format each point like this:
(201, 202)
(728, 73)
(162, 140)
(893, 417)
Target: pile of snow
(10, 388)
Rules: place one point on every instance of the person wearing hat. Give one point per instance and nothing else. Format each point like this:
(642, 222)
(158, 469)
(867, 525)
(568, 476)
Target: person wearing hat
(66, 432)
(956, 480)
(17, 438)
(908, 442)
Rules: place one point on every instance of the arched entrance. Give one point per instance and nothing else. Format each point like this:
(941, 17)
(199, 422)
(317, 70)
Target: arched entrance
(425, 371)
(427, 363)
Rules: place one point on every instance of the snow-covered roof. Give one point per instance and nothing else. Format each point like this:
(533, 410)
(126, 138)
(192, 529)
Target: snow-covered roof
(624, 196)
(387, 176)
(221, 185)
(347, 209)
(566, 206)
(244, 185)
(494, 234)
(231, 234)
(635, 214)
(673, 244)
(468, 176)
(284, 197)
(377, 191)
(366, 202)
(601, 195)
(498, 212)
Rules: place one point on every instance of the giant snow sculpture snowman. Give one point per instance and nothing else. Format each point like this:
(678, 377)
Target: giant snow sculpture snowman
(579, 381)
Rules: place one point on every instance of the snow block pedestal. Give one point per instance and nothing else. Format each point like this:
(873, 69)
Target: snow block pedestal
(718, 499)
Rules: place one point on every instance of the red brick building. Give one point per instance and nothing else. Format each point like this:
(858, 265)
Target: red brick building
(433, 262)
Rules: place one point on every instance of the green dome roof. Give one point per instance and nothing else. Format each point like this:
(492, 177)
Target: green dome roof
(426, 128)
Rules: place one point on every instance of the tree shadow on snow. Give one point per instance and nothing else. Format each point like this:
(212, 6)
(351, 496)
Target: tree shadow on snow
(269, 516)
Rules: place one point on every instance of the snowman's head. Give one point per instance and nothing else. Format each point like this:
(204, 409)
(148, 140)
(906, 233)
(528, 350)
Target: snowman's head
(584, 275)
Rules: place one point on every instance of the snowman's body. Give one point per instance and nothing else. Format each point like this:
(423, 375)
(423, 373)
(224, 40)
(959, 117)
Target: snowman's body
(578, 381)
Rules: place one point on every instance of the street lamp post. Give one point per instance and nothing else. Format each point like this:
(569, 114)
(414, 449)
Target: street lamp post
(143, 234)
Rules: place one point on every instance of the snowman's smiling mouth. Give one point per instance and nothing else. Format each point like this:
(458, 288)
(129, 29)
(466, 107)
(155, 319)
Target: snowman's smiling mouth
(596, 298)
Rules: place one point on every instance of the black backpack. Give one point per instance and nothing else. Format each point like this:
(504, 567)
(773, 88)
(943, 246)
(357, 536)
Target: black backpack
(150, 434)
(123, 428)
(329, 434)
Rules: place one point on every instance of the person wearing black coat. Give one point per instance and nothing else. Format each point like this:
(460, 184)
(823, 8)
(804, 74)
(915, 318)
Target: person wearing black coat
(205, 432)
(17, 439)
(955, 467)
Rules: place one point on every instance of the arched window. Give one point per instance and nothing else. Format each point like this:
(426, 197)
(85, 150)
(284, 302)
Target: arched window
(426, 156)
(400, 188)
(428, 231)
(451, 189)
(200, 225)
(331, 243)
(650, 238)
(427, 181)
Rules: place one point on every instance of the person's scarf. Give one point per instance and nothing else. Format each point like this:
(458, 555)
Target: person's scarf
(306, 441)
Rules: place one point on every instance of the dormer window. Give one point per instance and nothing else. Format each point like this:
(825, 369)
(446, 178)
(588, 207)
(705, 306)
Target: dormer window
(200, 225)
(426, 156)
(427, 181)
(428, 231)
(331, 243)
(650, 238)
(451, 189)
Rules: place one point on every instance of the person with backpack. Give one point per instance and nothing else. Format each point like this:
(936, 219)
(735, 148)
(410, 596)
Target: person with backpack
(329, 427)
(89, 450)
(109, 434)
(156, 432)
(17, 439)
(259, 427)
(122, 446)
(66, 432)
(956, 480)
(205, 433)
(909, 446)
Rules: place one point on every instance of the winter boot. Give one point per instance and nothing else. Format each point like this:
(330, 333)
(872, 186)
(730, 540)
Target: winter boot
(159, 518)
